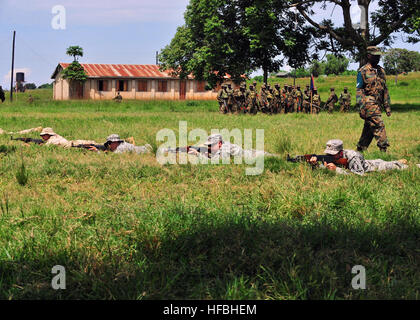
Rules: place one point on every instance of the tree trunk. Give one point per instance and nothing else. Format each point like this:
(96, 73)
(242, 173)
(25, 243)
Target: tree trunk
(364, 24)
(396, 79)
(265, 74)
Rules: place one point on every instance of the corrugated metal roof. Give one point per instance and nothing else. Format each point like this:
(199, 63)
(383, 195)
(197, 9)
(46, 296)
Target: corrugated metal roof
(121, 70)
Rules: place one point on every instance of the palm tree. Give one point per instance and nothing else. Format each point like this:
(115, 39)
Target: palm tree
(75, 51)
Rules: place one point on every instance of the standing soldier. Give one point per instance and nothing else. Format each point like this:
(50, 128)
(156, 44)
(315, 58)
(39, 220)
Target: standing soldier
(289, 96)
(222, 99)
(270, 100)
(263, 98)
(372, 96)
(252, 101)
(277, 98)
(298, 99)
(231, 98)
(306, 104)
(316, 102)
(2, 97)
(283, 98)
(345, 101)
(332, 100)
(240, 99)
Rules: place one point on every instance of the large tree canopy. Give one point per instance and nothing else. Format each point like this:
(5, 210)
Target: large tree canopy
(236, 37)
(392, 16)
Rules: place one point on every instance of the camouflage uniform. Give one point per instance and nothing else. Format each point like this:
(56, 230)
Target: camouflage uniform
(263, 99)
(357, 163)
(228, 150)
(221, 96)
(306, 103)
(289, 99)
(126, 147)
(277, 99)
(332, 100)
(240, 99)
(58, 140)
(372, 95)
(316, 102)
(231, 98)
(252, 100)
(298, 99)
(283, 99)
(345, 101)
(118, 98)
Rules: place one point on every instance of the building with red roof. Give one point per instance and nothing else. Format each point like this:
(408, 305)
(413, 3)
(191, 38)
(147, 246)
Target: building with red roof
(132, 81)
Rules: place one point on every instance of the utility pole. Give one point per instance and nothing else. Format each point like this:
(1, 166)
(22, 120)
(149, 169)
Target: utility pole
(13, 66)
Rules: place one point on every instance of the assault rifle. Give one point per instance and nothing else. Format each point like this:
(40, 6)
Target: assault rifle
(28, 140)
(187, 149)
(88, 146)
(320, 158)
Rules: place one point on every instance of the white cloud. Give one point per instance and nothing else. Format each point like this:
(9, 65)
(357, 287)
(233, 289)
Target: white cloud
(6, 77)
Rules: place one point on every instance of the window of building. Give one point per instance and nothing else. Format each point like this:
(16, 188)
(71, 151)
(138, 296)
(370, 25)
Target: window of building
(142, 85)
(162, 86)
(102, 85)
(201, 86)
(122, 85)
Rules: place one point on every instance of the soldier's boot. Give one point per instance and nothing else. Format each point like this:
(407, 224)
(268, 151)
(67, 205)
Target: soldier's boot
(382, 149)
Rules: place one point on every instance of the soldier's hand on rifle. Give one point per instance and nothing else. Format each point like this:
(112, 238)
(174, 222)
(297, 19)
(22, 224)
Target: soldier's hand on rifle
(388, 113)
(193, 152)
(330, 166)
(93, 148)
(313, 160)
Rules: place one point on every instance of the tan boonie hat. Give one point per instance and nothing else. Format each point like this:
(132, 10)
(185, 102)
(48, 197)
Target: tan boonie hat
(213, 139)
(113, 138)
(374, 51)
(48, 131)
(334, 147)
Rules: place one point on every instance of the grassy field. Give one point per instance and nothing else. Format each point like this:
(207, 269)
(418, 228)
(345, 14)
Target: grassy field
(125, 227)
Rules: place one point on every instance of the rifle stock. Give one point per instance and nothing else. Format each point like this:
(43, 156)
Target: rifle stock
(88, 146)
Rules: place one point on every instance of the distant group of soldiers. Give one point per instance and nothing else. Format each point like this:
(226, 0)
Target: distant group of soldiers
(274, 100)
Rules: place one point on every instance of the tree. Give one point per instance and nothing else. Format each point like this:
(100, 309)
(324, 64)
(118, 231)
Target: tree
(74, 51)
(393, 16)
(46, 86)
(335, 65)
(234, 37)
(30, 86)
(398, 61)
(75, 73)
(317, 68)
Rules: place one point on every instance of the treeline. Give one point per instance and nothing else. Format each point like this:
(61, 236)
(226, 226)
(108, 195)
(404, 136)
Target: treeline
(32, 86)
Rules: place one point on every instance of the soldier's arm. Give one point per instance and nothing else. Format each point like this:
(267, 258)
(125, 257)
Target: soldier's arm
(360, 93)
(387, 98)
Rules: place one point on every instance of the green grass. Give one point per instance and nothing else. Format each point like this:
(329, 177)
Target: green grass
(125, 227)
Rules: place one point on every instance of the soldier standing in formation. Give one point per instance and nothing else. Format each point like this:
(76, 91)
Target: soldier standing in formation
(316, 102)
(231, 98)
(222, 99)
(332, 100)
(252, 100)
(345, 101)
(372, 96)
(298, 99)
(277, 99)
(306, 104)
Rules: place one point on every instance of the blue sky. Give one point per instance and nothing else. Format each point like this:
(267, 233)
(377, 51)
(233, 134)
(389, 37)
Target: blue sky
(124, 31)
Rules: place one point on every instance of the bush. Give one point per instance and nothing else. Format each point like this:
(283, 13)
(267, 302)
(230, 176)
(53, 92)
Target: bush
(22, 175)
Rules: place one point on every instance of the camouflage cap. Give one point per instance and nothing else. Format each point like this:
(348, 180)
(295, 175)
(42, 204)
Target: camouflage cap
(48, 131)
(375, 51)
(334, 146)
(113, 138)
(213, 139)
